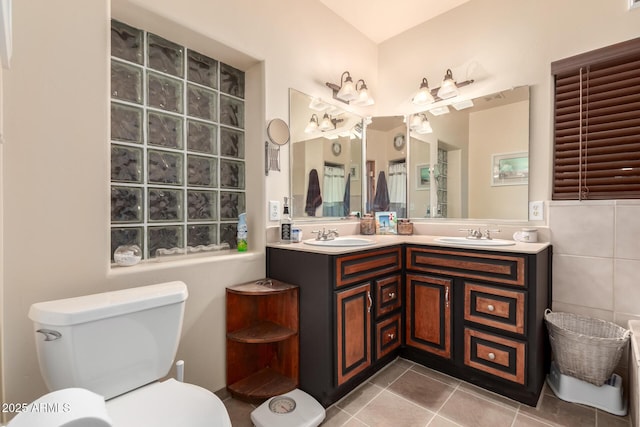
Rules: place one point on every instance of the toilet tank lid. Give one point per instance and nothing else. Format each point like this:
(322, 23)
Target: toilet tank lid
(73, 311)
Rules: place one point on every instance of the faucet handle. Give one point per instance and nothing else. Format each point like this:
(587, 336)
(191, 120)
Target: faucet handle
(489, 231)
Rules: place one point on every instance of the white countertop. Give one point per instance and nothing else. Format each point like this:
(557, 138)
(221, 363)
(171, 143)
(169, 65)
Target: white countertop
(390, 240)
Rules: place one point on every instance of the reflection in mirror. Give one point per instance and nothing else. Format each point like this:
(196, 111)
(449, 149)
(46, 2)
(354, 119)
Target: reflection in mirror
(326, 159)
(474, 163)
(386, 165)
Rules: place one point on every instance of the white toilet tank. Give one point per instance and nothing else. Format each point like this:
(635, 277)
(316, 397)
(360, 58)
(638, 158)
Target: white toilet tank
(109, 343)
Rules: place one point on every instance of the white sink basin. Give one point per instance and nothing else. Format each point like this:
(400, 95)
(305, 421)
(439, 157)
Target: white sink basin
(341, 241)
(474, 242)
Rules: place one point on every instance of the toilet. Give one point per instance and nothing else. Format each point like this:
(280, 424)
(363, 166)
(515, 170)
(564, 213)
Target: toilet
(102, 357)
(293, 409)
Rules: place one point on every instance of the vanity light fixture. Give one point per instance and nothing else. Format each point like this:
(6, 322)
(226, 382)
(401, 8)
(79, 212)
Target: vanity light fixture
(328, 123)
(448, 88)
(438, 111)
(420, 124)
(348, 92)
(312, 125)
(424, 96)
(461, 105)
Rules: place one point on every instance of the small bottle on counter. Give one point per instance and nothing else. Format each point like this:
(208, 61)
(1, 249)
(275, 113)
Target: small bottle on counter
(368, 225)
(405, 227)
(286, 224)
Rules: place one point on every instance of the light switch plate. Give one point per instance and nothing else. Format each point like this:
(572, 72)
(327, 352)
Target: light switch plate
(536, 210)
(274, 210)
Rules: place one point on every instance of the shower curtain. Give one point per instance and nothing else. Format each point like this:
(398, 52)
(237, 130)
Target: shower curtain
(398, 189)
(333, 191)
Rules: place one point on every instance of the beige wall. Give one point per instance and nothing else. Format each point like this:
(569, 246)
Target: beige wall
(55, 155)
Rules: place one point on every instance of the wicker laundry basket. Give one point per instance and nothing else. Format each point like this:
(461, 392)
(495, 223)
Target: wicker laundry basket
(585, 348)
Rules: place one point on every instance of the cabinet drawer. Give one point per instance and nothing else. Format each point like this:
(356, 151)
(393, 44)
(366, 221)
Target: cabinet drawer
(495, 355)
(508, 269)
(388, 335)
(388, 294)
(363, 266)
(495, 307)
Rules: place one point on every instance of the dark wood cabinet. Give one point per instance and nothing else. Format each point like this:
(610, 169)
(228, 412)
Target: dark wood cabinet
(350, 323)
(428, 314)
(353, 331)
(496, 304)
(262, 339)
(474, 314)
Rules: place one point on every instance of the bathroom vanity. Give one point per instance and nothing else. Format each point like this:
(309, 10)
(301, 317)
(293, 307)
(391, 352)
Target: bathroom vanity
(476, 314)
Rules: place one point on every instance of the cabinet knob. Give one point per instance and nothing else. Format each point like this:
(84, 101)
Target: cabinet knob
(490, 307)
(391, 336)
(492, 356)
(392, 294)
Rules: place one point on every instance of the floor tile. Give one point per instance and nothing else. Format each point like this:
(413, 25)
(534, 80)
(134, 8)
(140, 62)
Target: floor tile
(239, 412)
(390, 410)
(422, 390)
(609, 420)
(555, 411)
(358, 398)
(390, 373)
(443, 378)
(439, 421)
(486, 394)
(526, 421)
(469, 409)
(334, 417)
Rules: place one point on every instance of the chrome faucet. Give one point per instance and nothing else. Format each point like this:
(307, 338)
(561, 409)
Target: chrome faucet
(478, 234)
(325, 234)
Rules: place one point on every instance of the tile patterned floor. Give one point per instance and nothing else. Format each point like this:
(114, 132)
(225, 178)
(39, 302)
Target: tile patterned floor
(405, 394)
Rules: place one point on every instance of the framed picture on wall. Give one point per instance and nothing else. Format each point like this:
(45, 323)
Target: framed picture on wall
(510, 169)
(423, 176)
(354, 170)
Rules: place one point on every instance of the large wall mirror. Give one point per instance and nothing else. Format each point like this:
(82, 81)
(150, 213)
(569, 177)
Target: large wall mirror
(326, 159)
(472, 162)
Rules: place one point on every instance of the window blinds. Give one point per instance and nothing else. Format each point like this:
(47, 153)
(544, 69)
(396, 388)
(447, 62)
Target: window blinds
(597, 124)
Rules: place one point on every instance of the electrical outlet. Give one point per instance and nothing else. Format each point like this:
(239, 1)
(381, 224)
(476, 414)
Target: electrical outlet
(536, 210)
(274, 210)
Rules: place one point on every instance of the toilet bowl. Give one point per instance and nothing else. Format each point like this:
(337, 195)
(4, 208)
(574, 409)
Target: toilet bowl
(293, 409)
(106, 353)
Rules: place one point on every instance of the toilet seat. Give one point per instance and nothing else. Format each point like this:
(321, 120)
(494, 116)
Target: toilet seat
(168, 403)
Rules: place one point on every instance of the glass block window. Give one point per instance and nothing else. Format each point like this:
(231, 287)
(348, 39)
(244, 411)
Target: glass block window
(177, 145)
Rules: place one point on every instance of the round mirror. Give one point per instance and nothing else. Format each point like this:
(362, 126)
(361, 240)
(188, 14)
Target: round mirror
(278, 131)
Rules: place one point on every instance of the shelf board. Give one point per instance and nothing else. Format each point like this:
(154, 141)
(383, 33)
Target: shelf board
(262, 385)
(261, 332)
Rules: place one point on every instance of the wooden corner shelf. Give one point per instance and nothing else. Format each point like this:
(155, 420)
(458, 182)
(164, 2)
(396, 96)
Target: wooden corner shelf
(262, 339)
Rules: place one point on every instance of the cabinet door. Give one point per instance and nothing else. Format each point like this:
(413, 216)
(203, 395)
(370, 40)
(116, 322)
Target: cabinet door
(428, 322)
(353, 324)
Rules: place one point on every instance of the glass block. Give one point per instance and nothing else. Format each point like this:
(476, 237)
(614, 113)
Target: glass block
(164, 93)
(201, 171)
(231, 112)
(165, 56)
(165, 204)
(231, 205)
(126, 236)
(202, 69)
(201, 205)
(231, 174)
(164, 167)
(164, 130)
(231, 80)
(201, 103)
(231, 143)
(126, 164)
(126, 123)
(164, 238)
(126, 204)
(126, 42)
(201, 137)
(202, 235)
(126, 82)
(228, 233)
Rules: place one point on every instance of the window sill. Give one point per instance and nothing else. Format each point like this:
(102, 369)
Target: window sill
(184, 261)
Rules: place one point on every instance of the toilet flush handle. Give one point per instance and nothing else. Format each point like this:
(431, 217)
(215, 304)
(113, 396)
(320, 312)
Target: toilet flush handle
(50, 334)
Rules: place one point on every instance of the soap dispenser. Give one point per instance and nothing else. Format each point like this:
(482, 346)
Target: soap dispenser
(286, 224)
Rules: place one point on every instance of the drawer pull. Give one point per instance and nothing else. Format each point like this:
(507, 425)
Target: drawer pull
(392, 294)
(446, 297)
(490, 307)
(492, 356)
(370, 302)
